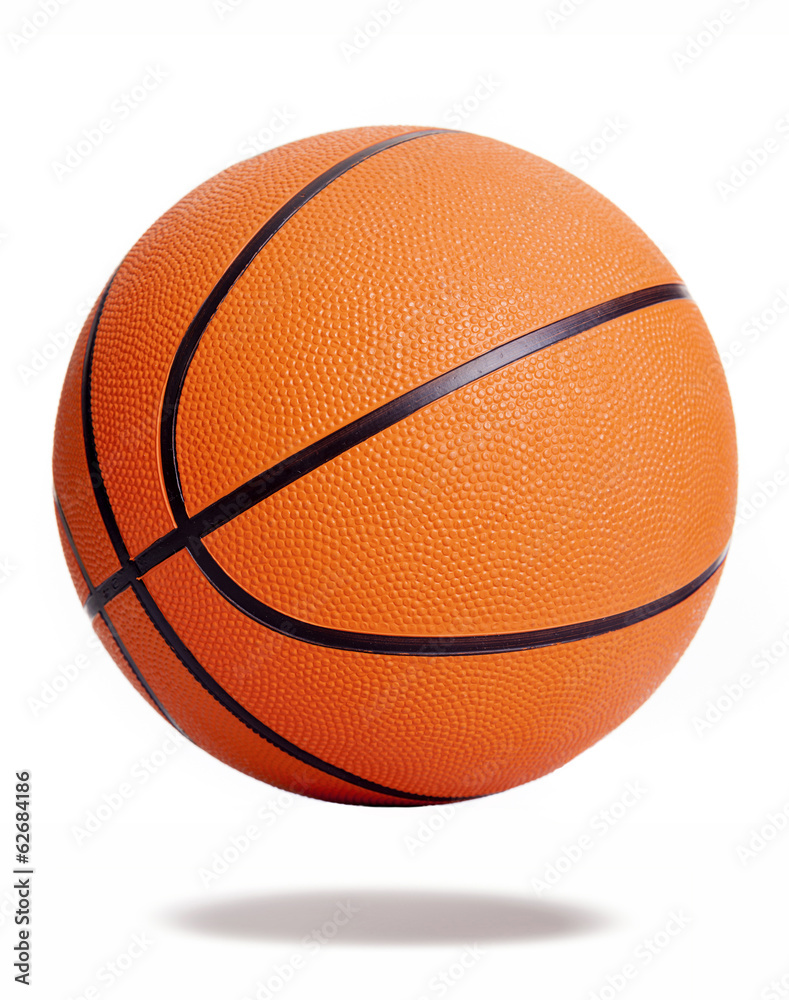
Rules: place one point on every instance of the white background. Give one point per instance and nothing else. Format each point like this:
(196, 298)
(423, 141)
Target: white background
(684, 126)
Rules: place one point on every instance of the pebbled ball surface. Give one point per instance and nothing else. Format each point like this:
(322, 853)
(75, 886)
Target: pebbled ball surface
(530, 524)
(587, 479)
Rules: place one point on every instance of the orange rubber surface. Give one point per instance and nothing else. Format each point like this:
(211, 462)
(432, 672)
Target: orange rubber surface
(471, 515)
(210, 725)
(590, 478)
(451, 726)
(418, 259)
(177, 262)
(70, 471)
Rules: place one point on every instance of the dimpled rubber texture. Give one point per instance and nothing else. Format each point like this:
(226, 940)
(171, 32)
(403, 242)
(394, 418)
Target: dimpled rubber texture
(73, 486)
(587, 479)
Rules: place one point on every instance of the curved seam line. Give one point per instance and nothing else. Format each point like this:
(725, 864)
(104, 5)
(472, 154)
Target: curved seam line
(243, 715)
(139, 588)
(91, 452)
(473, 645)
(105, 616)
(301, 463)
(197, 327)
(101, 495)
(205, 679)
(60, 514)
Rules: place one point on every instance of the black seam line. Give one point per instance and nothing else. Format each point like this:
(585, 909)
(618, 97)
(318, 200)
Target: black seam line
(103, 613)
(453, 645)
(212, 686)
(188, 346)
(91, 453)
(102, 497)
(127, 656)
(295, 466)
(70, 539)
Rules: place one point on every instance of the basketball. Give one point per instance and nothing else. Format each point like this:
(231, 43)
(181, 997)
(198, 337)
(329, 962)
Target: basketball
(395, 466)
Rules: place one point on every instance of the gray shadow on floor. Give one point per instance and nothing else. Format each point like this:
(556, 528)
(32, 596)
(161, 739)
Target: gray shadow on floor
(387, 917)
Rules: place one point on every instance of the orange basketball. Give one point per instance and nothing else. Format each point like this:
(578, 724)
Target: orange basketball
(395, 466)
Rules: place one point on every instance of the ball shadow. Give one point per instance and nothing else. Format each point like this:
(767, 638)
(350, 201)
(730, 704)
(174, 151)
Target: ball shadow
(387, 917)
